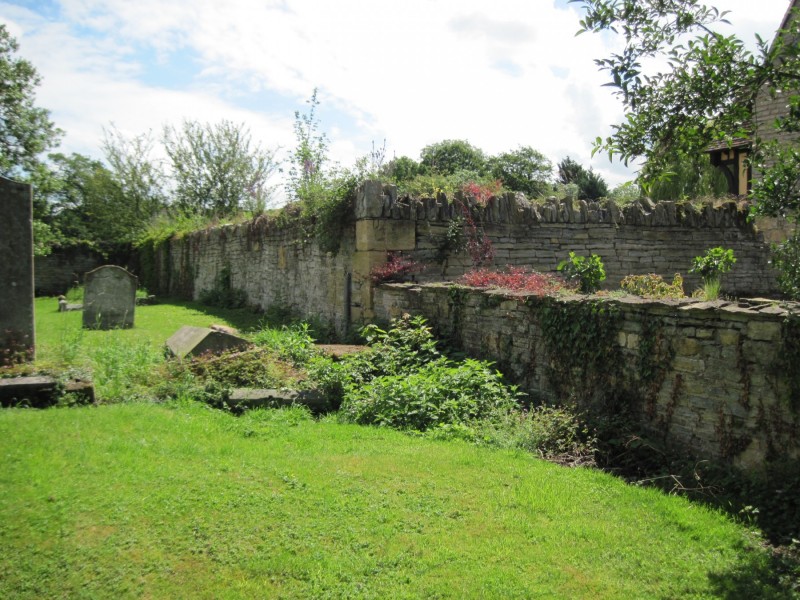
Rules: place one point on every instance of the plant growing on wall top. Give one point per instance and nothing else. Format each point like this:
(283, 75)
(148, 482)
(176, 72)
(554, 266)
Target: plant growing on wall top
(586, 272)
(711, 267)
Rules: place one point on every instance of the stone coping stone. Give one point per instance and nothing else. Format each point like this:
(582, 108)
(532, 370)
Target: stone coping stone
(42, 391)
(242, 398)
(194, 341)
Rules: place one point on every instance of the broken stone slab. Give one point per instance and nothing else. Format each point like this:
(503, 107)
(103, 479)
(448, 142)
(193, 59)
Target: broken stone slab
(42, 391)
(194, 341)
(64, 306)
(314, 400)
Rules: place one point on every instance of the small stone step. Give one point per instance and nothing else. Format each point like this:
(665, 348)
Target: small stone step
(271, 398)
(42, 391)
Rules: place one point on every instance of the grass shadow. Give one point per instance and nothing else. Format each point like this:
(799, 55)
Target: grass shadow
(758, 576)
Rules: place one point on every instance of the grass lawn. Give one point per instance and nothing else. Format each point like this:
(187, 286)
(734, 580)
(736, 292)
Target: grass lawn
(60, 334)
(134, 500)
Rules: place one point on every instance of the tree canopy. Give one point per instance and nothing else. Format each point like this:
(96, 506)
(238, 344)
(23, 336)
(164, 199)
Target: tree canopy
(26, 130)
(217, 169)
(705, 90)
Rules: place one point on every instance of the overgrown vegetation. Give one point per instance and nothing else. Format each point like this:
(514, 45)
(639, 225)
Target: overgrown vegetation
(653, 286)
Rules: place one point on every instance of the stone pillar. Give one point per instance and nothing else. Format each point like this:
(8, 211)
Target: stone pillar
(377, 233)
(17, 340)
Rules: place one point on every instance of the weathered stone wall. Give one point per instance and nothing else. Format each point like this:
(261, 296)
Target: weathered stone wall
(710, 377)
(280, 265)
(638, 239)
(59, 271)
(17, 339)
(272, 264)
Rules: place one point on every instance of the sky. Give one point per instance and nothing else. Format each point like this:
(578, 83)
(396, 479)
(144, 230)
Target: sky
(406, 74)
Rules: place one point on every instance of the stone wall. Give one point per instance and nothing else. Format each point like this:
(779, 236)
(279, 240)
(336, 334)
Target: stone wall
(714, 378)
(281, 265)
(640, 238)
(273, 265)
(59, 271)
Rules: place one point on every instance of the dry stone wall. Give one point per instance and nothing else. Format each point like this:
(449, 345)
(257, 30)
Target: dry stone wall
(280, 265)
(273, 265)
(640, 238)
(715, 378)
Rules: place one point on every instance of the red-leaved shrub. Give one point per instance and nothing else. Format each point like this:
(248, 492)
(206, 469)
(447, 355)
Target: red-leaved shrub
(396, 268)
(517, 279)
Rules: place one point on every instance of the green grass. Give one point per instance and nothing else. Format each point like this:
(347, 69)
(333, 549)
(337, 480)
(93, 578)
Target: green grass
(122, 363)
(135, 500)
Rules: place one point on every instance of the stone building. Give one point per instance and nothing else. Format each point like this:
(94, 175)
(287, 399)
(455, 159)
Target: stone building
(732, 157)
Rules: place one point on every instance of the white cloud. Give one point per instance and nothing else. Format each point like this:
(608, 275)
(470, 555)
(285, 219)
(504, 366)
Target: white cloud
(503, 74)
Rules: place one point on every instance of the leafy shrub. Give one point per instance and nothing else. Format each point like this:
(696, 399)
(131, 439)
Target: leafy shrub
(715, 262)
(513, 278)
(711, 267)
(786, 258)
(439, 392)
(653, 286)
(481, 192)
(396, 268)
(587, 272)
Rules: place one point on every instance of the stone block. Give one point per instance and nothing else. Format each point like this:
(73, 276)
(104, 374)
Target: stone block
(194, 341)
(767, 331)
(42, 391)
(243, 398)
(385, 235)
(109, 298)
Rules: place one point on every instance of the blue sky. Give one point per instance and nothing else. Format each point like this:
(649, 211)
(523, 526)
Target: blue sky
(498, 74)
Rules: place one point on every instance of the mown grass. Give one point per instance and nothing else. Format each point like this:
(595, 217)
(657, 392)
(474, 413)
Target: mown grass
(181, 501)
(178, 500)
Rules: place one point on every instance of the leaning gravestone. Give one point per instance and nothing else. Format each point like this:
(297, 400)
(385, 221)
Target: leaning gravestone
(16, 272)
(109, 298)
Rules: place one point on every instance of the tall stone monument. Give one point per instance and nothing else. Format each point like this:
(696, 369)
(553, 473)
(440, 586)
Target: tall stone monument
(109, 298)
(17, 340)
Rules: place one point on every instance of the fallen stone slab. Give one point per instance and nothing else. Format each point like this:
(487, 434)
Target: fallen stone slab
(314, 400)
(42, 391)
(194, 341)
(339, 350)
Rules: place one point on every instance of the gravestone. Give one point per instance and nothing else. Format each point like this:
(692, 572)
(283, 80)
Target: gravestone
(16, 272)
(109, 298)
(195, 341)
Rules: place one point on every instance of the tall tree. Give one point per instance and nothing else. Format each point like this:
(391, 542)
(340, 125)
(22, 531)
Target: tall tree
(706, 92)
(26, 130)
(450, 156)
(217, 169)
(523, 170)
(139, 178)
(591, 185)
